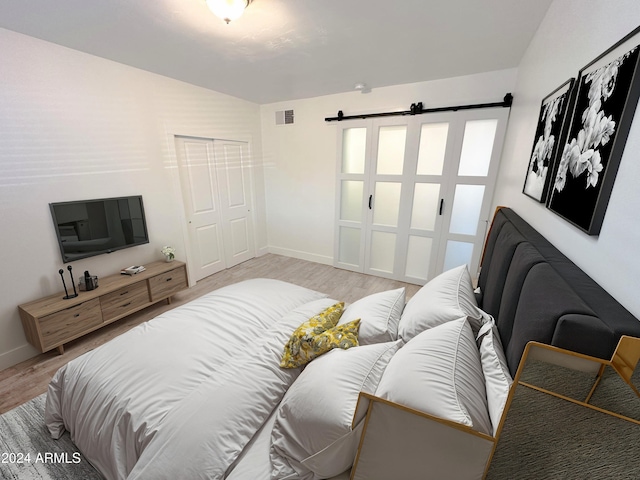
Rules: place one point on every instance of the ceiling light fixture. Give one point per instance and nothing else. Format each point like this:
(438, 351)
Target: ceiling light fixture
(228, 9)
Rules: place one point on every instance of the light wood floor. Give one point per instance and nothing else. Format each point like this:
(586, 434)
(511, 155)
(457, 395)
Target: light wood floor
(27, 380)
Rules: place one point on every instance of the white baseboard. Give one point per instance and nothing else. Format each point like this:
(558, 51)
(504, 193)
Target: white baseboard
(17, 355)
(311, 257)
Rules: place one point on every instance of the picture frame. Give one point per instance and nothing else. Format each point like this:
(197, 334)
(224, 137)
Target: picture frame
(607, 91)
(550, 134)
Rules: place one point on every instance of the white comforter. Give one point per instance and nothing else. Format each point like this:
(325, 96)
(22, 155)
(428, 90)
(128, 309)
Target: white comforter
(181, 395)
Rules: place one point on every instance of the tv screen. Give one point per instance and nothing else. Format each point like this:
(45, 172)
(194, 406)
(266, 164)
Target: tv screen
(91, 227)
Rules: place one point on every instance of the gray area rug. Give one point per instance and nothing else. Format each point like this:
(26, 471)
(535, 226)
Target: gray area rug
(543, 438)
(27, 451)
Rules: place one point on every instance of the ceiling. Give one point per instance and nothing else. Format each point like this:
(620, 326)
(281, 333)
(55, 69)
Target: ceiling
(288, 49)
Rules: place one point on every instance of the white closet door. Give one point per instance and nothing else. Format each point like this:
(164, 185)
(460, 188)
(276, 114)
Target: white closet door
(215, 176)
(234, 183)
(199, 182)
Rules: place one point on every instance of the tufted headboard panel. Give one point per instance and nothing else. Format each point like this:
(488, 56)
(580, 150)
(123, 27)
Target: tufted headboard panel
(535, 293)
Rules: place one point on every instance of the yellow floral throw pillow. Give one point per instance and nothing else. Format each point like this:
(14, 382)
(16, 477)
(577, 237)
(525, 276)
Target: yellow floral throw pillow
(318, 335)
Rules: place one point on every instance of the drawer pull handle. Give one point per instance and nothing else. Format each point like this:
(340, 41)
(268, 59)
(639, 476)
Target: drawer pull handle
(126, 304)
(124, 293)
(76, 315)
(169, 279)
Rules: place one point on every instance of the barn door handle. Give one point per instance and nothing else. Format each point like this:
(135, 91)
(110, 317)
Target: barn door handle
(441, 206)
(370, 199)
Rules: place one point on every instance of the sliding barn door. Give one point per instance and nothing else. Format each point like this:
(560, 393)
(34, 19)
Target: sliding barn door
(214, 176)
(414, 192)
(470, 183)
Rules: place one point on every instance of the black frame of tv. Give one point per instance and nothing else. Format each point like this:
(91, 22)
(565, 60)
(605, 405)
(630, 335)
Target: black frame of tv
(86, 228)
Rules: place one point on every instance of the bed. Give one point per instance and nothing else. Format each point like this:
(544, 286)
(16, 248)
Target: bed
(198, 392)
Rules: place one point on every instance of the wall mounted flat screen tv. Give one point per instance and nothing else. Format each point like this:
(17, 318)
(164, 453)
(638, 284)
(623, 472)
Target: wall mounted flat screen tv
(92, 227)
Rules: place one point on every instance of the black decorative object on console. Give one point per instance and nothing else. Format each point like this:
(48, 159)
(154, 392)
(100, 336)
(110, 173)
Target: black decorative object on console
(75, 293)
(66, 293)
(88, 282)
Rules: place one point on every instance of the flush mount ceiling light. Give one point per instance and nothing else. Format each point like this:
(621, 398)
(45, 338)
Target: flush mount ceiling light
(228, 9)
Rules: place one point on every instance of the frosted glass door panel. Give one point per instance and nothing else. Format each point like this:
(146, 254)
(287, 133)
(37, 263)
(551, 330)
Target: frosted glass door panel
(426, 197)
(383, 249)
(433, 144)
(349, 245)
(467, 205)
(418, 256)
(351, 200)
(386, 207)
(354, 143)
(458, 253)
(477, 147)
(391, 144)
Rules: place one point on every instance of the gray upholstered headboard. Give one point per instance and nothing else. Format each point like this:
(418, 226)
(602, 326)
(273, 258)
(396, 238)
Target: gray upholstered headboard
(535, 293)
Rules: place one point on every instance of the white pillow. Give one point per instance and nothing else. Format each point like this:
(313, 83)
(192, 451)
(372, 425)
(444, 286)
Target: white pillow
(438, 372)
(446, 297)
(312, 437)
(496, 372)
(379, 315)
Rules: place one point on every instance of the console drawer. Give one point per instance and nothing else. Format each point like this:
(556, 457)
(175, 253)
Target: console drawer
(124, 300)
(66, 324)
(166, 284)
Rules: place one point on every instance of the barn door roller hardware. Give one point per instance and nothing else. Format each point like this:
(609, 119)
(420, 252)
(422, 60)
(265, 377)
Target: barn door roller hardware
(418, 109)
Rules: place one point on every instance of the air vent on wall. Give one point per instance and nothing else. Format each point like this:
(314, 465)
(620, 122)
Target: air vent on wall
(284, 117)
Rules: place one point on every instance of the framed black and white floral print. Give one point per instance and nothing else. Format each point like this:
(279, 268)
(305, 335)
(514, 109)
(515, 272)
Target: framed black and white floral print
(607, 95)
(552, 123)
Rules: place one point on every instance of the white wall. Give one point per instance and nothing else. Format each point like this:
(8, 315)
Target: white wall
(74, 126)
(300, 159)
(572, 34)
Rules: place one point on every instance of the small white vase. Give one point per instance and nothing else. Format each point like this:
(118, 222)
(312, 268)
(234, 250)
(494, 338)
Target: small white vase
(168, 259)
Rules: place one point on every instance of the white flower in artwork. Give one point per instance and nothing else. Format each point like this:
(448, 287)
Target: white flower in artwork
(607, 129)
(561, 176)
(597, 128)
(541, 152)
(579, 161)
(594, 167)
(539, 162)
(603, 130)
(603, 80)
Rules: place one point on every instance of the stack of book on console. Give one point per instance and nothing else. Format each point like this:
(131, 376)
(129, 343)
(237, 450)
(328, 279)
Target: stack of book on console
(132, 270)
